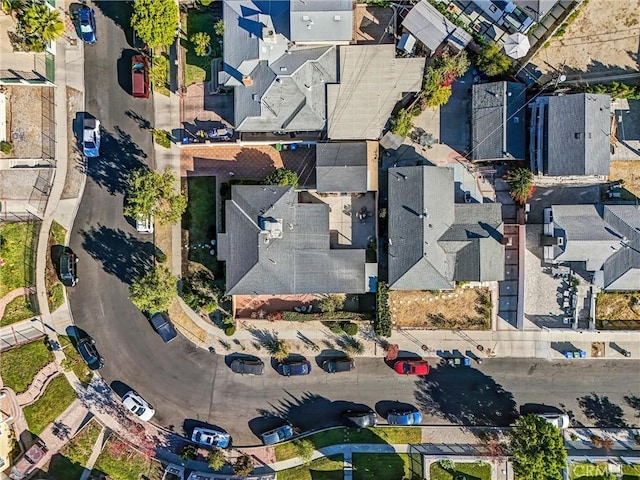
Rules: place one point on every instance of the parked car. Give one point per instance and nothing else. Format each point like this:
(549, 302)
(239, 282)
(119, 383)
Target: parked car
(338, 365)
(412, 367)
(140, 76)
(87, 19)
(209, 437)
(89, 353)
(361, 419)
(91, 137)
(558, 420)
(277, 435)
(144, 224)
(292, 368)
(68, 268)
(246, 366)
(164, 327)
(138, 405)
(27, 463)
(404, 417)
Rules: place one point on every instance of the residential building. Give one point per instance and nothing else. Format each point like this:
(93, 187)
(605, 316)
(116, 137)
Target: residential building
(347, 167)
(371, 82)
(435, 242)
(604, 239)
(498, 127)
(321, 21)
(570, 134)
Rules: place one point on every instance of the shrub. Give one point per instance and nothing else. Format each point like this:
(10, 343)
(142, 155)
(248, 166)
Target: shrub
(278, 349)
(335, 327)
(218, 27)
(161, 257)
(520, 181)
(597, 441)
(201, 43)
(188, 452)
(382, 323)
(6, 147)
(304, 449)
(230, 330)
(162, 137)
(349, 328)
(492, 61)
(440, 96)
(209, 307)
(282, 178)
(353, 346)
(402, 124)
(243, 466)
(331, 302)
(216, 459)
(448, 465)
(158, 71)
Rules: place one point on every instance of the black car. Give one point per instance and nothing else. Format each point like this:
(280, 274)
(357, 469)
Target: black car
(68, 268)
(89, 353)
(164, 327)
(246, 366)
(362, 419)
(291, 368)
(338, 365)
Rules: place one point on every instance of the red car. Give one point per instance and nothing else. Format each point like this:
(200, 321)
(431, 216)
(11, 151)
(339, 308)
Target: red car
(412, 367)
(140, 76)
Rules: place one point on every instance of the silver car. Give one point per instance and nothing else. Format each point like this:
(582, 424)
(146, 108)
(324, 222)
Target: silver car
(91, 137)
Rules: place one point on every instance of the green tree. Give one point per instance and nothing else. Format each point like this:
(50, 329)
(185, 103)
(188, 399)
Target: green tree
(445, 70)
(41, 24)
(439, 97)
(153, 193)
(331, 302)
(304, 449)
(520, 181)
(188, 452)
(201, 42)
(155, 21)
(353, 346)
(538, 449)
(492, 61)
(278, 349)
(218, 27)
(158, 71)
(243, 466)
(155, 290)
(282, 178)
(216, 459)
(402, 123)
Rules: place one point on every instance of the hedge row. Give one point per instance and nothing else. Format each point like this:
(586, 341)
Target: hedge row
(382, 324)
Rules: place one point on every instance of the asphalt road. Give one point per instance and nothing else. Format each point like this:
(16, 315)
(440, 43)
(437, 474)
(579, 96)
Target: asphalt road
(188, 386)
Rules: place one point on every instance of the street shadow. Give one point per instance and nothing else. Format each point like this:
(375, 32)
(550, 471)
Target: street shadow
(634, 402)
(602, 411)
(124, 70)
(142, 122)
(308, 411)
(119, 155)
(120, 253)
(383, 407)
(465, 396)
(119, 12)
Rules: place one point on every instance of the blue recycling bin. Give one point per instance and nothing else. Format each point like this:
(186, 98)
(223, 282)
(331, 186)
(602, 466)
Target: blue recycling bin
(568, 354)
(583, 354)
(467, 361)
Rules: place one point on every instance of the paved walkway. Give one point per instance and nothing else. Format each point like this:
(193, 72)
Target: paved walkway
(12, 295)
(38, 385)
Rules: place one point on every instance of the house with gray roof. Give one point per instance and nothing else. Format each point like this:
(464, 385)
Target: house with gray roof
(570, 134)
(433, 29)
(434, 242)
(498, 130)
(604, 238)
(276, 244)
(278, 56)
(346, 167)
(371, 81)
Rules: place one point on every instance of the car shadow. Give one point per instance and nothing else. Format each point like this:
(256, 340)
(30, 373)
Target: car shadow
(55, 252)
(120, 388)
(190, 423)
(262, 424)
(124, 69)
(383, 407)
(329, 354)
(228, 359)
(534, 408)
(293, 357)
(402, 355)
(75, 334)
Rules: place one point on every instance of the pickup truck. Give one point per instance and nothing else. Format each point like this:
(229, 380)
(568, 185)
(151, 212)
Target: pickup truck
(140, 76)
(27, 463)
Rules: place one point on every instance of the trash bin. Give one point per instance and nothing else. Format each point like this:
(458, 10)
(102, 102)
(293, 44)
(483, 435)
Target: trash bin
(568, 354)
(583, 354)
(278, 147)
(467, 361)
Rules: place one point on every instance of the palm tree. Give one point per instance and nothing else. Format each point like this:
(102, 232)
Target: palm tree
(520, 181)
(41, 21)
(279, 349)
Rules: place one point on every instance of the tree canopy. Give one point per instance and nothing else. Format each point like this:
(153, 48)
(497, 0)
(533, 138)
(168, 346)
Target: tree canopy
(155, 21)
(538, 449)
(282, 178)
(155, 290)
(402, 124)
(436, 85)
(153, 193)
(39, 24)
(520, 181)
(492, 61)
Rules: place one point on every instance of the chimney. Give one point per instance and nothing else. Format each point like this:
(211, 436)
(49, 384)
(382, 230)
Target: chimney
(247, 81)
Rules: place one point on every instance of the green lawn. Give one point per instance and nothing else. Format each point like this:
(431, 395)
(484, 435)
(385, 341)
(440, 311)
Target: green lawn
(120, 462)
(57, 233)
(340, 435)
(19, 365)
(14, 237)
(57, 397)
(388, 466)
(55, 297)
(18, 309)
(200, 219)
(198, 69)
(590, 471)
(69, 463)
(471, 471)
(74, 361)
(327, 468)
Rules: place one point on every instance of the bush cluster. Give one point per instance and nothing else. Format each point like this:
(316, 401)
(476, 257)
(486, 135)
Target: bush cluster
(382, 323)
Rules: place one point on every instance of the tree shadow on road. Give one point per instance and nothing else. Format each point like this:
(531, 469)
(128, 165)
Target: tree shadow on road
(634, 402)
(465, 396)
(600, 409)
(120, 253)
(119, 12)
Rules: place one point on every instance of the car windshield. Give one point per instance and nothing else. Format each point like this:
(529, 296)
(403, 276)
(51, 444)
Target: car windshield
(88, 351)
(89, 144)
(281, 434)
(406, 368)
(85, 27)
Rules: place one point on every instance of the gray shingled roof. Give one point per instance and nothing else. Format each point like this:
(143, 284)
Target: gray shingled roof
(372, 81)
(535, 9)
(432, 28)
(578, 134)
(434, 242)
(321, 21)
(300, 261)
(498, 132)
(341, 167)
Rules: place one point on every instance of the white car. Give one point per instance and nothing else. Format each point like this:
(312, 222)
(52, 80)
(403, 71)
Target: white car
(209, 437)
(91, 137)
(144, 224)
(558, 420)
(138, 405)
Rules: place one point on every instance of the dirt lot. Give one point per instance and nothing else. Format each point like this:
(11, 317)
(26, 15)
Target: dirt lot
(629, 171)
(618, 306)
(603, 37)
(465, 308)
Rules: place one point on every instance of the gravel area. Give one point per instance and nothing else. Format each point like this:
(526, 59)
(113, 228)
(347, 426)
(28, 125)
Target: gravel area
(76, 162)
(17, 184)
(25, 120)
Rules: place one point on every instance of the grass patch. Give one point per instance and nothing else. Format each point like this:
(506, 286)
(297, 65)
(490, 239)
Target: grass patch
(327, 468)
(19, 365)
(598, 471)
(618, 311)
(198, 69)
(15, 240)
(57, 397)
(18, 309)
(337, 436)
(162, 137)
(121, 462)
(163, 87)
(55, 295)
(69, 463)
(74, 361)
(471, 471)
(388, 466)
(199, 219)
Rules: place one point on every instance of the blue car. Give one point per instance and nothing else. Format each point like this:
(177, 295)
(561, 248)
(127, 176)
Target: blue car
(209, 437)
(404, 417)
(87, 25)
(294, 368)
(164, 327)
(277, 435)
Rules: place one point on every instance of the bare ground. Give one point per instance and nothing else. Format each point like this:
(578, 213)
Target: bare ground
(76, 166)
(617, 306)
(629, 171)
(465, 308)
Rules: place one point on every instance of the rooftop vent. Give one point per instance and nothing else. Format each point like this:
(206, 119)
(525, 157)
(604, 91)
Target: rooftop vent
(305, 18)
(578, 135)
(247, 81)
(337, 18)
(271, 228)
